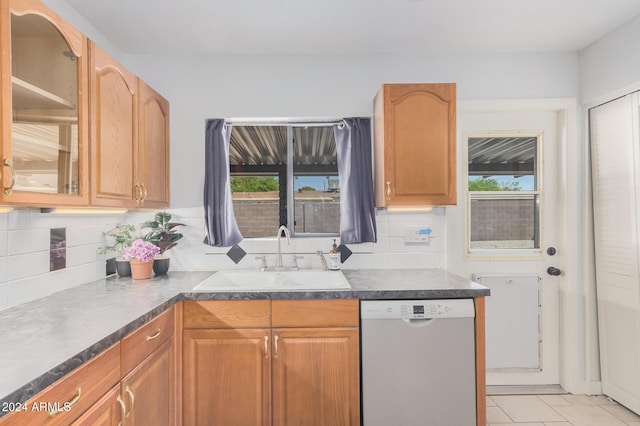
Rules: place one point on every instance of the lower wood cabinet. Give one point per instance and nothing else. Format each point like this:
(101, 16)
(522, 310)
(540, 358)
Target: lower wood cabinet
(315, 376)
(149, 390)
(108, 411)
(226, 377)
(271, 363)
(145, 396)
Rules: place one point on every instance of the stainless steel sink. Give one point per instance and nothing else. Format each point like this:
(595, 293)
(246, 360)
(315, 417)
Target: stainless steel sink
(302, 280)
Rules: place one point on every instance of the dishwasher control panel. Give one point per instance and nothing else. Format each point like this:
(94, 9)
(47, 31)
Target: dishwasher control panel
(416, 309)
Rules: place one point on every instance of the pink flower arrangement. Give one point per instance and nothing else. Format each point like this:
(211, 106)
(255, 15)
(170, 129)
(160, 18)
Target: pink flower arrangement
(141, 250)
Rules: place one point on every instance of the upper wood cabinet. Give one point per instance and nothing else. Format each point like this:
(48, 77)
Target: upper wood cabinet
(130, 137)
(44, 107)
(153, 151)
(114, 132)
(415, 145)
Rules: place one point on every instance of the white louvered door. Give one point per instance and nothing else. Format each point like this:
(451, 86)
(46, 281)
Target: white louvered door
(615, 147)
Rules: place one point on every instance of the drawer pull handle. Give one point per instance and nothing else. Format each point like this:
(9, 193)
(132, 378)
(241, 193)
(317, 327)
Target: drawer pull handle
(154, 335)
(266, 346)
(123, 408)
(133, 401)
(276, 353)
(67, 405)
(388, 190)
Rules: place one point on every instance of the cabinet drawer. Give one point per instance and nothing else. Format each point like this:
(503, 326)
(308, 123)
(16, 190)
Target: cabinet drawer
(73, 394)
(315, 313)
(146, 339)
(227, 314)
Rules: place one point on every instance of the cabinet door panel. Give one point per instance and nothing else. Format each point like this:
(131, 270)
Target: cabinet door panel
(44, 142)
(415, 141)
(316, 376)
(114, 115)
(226, 377)
(153, 164)
(108, 411)
(149, 391)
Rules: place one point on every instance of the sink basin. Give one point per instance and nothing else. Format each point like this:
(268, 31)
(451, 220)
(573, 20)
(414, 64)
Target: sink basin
(308, 279)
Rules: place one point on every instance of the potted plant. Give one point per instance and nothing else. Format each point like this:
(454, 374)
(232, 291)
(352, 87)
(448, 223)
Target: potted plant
(141, 254)
(163, 234)
(118, 239)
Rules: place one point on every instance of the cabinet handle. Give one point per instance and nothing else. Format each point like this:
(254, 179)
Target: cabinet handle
(143, 196)
(154, 335)
(123, 408)
(266, 347)
(133, 401)
(9, 164)
(137, 193)
(388, 190)
(276, 353)
(67, 405)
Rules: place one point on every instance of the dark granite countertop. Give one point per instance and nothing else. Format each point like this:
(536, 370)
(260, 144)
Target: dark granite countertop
(47, 338)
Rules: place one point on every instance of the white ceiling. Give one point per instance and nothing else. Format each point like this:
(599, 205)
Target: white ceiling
(354, 26)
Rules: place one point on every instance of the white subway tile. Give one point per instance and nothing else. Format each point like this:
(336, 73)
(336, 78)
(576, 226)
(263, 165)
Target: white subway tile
(75, 256)
(18, 241)
(4, 243)
(26, 265)
(4, 221)
(4, 272)
(19, 291)
(404, 261)
(40, 239)
(380, 260)
(18, 219)
(4, 295)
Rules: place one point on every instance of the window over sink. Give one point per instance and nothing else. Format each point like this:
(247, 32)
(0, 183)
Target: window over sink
(285, 173)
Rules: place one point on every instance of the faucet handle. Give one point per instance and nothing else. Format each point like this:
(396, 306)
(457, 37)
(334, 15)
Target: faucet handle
(263, 264)
(294, 262)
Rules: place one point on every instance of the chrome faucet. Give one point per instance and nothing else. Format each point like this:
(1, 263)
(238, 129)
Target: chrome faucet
(325, 267)
(287, 234)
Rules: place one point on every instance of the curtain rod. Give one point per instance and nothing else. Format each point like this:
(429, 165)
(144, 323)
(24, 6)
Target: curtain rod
(294, 123)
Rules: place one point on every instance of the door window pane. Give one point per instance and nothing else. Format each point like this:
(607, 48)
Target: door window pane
(504, 192)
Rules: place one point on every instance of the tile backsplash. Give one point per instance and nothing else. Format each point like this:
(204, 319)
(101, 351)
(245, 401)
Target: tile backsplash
(25, 243)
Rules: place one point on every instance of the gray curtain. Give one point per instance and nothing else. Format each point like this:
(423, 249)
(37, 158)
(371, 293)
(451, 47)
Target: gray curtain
(357, 210)
(220, 222)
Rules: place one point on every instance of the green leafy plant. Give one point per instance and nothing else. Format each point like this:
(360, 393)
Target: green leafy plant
(118, 239)
(162, 232)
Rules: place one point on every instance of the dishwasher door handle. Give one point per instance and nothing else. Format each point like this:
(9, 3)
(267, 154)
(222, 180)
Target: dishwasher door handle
(418, 322)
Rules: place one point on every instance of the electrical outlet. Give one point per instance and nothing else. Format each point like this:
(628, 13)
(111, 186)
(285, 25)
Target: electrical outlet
(417, 235)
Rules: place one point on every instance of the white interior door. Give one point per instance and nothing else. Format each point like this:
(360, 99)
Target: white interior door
(523, 333)
(615, 138)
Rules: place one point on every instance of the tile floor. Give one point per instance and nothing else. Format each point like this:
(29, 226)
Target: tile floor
(558, 410)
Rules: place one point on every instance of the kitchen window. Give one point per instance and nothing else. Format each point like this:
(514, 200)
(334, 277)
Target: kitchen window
(285, 174)
(504, 192)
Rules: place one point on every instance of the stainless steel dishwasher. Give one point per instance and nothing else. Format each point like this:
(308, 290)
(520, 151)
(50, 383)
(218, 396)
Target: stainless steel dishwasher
(418, 362)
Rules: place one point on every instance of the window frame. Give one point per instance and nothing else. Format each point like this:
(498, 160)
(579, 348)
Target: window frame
(537, 194)
(289, 174)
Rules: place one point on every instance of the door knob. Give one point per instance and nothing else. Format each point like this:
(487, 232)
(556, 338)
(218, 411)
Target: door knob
(553, 271)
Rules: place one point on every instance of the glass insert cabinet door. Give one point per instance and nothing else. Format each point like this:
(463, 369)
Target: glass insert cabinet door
(46, 158)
